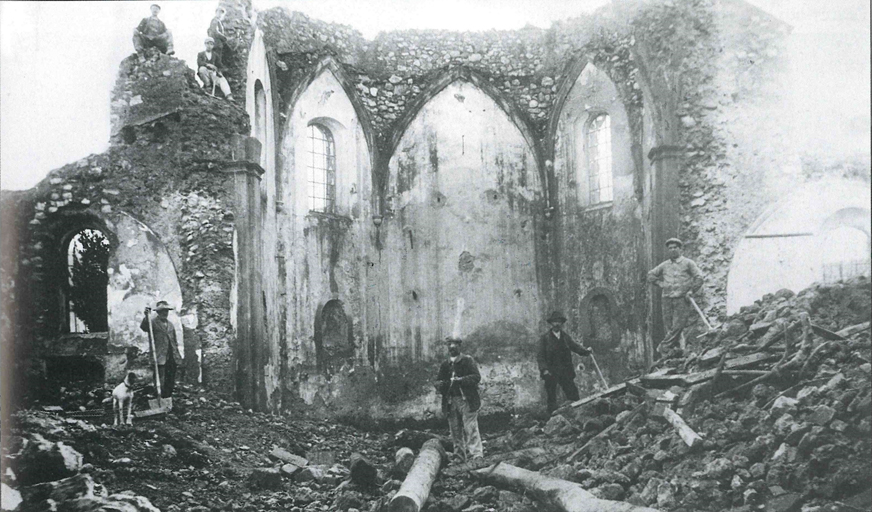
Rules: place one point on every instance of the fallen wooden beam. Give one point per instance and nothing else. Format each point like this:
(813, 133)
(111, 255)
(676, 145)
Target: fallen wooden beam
(730, 364)
(854, 329)
(490, 460)
(558, 494)
(416, 487)
(687, 434)
(617, 388)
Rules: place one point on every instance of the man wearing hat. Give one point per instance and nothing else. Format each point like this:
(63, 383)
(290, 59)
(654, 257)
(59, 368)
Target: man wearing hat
(210, 66)
(458, 383)
(165, 346)
(555, 360)
(217, 32)
(151, 32)
(677, 277)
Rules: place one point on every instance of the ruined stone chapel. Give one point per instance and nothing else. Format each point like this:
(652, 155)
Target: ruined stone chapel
(361, 200)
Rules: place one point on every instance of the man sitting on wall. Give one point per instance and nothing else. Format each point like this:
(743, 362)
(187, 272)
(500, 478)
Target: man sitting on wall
(209, 68)
(166, 347)
(152, 33)
(458, 383)
(677, 277)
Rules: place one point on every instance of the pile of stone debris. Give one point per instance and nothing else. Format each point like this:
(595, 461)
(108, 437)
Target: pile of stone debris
(770, 411)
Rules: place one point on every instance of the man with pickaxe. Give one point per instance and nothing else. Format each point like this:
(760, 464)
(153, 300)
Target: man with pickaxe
(678, 277)
(166, 347)
(555, 361)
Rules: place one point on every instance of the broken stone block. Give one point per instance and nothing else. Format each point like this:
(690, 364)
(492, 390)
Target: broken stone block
(613, 492)
(790, 502)
(782, 405)
(44, 461)
(665, 496)
(310, 474)
(784, 453)
(362, 471)
(649, 493)
(557, 425)
(265, 478)
(821, 415)
(758, 470)
(282, 455)
(289, 470)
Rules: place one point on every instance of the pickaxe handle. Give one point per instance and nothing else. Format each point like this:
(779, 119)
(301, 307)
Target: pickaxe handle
(598, 371)
(151, 345)
(701, 315)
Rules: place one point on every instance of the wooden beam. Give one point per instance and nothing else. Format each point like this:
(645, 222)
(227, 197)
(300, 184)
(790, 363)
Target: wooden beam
(688, 435)
(416, 487)
(554, 493)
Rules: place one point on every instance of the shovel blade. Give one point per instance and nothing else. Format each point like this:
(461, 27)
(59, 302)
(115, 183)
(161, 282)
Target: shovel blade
(156, 407)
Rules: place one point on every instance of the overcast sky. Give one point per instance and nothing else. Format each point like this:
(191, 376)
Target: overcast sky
(58, 62)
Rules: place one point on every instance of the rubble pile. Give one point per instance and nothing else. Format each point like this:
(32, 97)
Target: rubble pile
(770, 412)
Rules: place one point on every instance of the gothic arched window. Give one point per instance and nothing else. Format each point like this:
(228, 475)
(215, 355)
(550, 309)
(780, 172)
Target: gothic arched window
(322, 169)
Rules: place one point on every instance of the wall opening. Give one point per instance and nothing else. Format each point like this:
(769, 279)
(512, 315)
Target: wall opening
(333, 337)
(601, 325)
(321, 166)
(598, 148)
(260, 119)
(87, 254)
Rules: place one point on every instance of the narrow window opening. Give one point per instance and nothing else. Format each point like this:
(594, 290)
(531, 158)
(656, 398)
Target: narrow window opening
(322, 169)
(599, 159)
(87, 281)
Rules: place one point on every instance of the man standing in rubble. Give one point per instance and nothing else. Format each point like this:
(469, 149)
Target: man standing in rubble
(152, 33)
(166, 347)
(458, 383)
(555, 361)
(209, 68)
(678, 277)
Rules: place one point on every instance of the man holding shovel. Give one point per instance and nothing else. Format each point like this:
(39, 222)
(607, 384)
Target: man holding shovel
(166, 348)
(555, 361)
(678, 277)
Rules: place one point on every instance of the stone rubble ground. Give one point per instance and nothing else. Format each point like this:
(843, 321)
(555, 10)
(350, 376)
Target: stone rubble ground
(791, 443)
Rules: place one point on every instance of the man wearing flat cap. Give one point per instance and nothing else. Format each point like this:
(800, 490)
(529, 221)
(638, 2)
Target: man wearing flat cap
(151, 32)
(210, 68)
(555, 360)
(677, 277)
(165, 346)
(457, 382)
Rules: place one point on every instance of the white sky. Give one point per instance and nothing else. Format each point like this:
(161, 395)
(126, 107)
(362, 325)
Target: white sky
(58, 62)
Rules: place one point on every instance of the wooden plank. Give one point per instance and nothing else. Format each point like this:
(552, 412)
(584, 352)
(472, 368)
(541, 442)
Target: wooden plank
(854, 329)
(687, 434)
(602, 394)
(732, 364)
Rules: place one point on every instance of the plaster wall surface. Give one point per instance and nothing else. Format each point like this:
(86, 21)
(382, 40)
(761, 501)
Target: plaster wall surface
(140, 273)
(459, 253)
(325, 251)
(788, 246)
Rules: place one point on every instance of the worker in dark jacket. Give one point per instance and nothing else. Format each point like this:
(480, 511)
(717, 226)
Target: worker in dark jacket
(166, 347)
(458, 383)
(555, 361)
(210, 69)
(151, 32)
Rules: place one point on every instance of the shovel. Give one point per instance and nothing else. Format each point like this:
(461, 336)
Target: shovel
(598, 371)
(159, 405)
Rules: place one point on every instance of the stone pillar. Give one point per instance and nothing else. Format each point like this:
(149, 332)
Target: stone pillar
(665, 221)
(248, 352)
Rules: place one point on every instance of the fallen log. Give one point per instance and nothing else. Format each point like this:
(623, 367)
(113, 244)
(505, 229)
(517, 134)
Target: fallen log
(687, 434)
(416, 487)
(854, 329)
(552, 492)
(617, 388)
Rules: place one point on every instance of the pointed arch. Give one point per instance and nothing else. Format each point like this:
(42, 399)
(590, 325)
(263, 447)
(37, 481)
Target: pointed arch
(571, 75)
(329, 64)
(437, 85)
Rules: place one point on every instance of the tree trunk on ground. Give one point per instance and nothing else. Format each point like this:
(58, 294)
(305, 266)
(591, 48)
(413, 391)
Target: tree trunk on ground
(560, 494)
(416, 487)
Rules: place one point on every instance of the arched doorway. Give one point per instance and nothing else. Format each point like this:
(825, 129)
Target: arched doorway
(333, 337)
(87, 257)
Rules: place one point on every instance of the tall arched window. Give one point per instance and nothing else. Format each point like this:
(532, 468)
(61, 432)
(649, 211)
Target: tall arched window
(87, 281)
(599, 159)
(322, 169)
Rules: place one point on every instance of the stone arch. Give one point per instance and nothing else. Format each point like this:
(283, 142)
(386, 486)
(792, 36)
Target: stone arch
(334, 338)
(518, 117)
(348, 122)
(782, 248)
(599, 320)
(463, 227)
(592, 94)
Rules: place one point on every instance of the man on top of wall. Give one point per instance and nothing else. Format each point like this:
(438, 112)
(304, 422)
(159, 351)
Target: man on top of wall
(217, 32)
(166, 347)
(555, 360)
(458, 383)
(677, 277)
(210, 67)
(152, 33)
